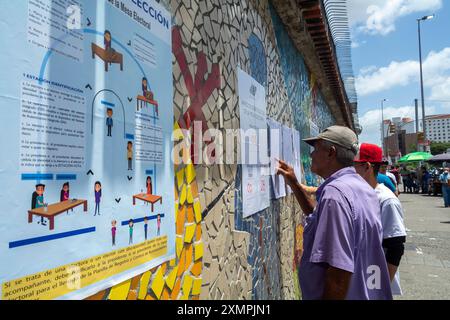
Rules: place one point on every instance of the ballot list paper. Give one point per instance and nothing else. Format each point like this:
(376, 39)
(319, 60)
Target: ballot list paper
(297, 157)
(254, 146)
(288, 152)
(278, 189)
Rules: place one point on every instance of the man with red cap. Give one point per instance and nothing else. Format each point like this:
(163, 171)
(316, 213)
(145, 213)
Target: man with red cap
(367, 164)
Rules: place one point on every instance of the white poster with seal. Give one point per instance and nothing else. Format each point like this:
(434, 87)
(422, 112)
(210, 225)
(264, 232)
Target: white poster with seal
(254, 155)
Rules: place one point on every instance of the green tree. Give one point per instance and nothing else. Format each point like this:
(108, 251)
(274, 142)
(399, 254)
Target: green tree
(412, 148)
(439, 147)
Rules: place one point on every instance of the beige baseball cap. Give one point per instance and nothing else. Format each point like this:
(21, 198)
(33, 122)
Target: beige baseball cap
(342, 136)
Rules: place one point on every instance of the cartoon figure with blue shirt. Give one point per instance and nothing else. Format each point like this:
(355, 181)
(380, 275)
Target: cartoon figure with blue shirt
(109, 121)
(131, 225)
(145, 227)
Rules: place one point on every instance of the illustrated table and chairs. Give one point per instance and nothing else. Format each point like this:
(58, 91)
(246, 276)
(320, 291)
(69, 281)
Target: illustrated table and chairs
(108, 58)
(53, 210)
(150, 198)
(143, 101)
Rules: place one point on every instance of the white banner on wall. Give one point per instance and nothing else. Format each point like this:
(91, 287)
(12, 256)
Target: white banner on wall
(297, 161)
(276, 144)
(254, 146)
(288, 150)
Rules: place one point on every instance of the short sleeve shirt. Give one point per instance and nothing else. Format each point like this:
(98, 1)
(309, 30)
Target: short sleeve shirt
(344, 231)
(391, 213)
(444, 177)
(392, 222)
(384, 179)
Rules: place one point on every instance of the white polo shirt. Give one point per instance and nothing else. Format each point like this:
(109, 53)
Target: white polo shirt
(392, 223)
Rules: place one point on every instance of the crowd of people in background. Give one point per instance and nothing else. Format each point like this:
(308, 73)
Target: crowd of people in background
(420, 179)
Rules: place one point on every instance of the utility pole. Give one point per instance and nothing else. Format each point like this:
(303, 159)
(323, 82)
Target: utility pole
(382, 128)
(421, 74)
(416, 104)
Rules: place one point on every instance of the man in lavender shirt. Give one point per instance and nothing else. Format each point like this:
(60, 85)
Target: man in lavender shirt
(342, 253)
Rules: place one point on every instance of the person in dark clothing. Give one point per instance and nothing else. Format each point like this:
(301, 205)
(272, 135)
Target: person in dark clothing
(37, 199)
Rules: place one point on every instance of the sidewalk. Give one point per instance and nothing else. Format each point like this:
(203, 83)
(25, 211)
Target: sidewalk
(425, 267)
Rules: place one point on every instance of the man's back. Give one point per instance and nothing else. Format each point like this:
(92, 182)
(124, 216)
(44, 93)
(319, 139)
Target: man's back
(392, 222)
(345, 232)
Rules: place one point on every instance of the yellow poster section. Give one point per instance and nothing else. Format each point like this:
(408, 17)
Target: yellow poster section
(57, 282)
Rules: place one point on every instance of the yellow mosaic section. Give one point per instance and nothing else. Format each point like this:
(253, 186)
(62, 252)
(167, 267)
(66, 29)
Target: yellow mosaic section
(180, 278)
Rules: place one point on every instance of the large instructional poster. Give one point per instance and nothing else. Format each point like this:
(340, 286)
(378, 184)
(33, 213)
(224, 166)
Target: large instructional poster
(86, 118)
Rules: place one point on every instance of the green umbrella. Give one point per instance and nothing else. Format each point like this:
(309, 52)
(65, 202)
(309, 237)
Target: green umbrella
(415, 156)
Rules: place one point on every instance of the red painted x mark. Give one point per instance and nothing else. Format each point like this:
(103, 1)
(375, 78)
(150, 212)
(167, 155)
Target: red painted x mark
(199, 90)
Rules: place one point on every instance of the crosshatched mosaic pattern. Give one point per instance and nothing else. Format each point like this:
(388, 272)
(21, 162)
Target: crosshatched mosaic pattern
(220, 255)
(305, 98)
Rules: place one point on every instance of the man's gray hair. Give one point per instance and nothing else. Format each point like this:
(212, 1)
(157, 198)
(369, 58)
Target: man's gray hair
(343, 155)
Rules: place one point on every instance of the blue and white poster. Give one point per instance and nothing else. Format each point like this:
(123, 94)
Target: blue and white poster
(86, 117)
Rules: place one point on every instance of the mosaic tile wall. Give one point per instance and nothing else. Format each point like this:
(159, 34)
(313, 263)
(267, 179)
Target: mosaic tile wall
(220, 255)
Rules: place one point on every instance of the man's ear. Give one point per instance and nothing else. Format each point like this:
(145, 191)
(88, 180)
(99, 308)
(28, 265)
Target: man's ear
(368, 166)
(332, 151)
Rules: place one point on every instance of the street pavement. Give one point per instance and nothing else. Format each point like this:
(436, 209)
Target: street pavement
(425, 266)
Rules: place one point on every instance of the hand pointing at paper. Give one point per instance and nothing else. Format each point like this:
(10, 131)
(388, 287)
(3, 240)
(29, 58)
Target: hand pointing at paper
(301, 192)
(287, 172)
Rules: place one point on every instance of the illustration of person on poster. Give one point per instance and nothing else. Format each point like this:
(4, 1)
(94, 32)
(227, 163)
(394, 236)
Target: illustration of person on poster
(158, 222)
(130, 155)
(37, 199)
(108, 47)
(64, 194)
(131, 226)
(149, 185)
(113, 231)
(148, 94)
(98, 196)
(145, 227)
(109, 121)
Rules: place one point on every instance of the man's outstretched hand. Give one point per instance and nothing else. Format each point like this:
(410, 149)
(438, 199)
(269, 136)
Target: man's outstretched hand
(301, 194)
(287, 172)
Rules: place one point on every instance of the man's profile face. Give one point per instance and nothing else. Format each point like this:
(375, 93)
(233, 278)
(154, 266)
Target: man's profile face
(383, 168)
(360, 168)
(319, 158)
(107, 37)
